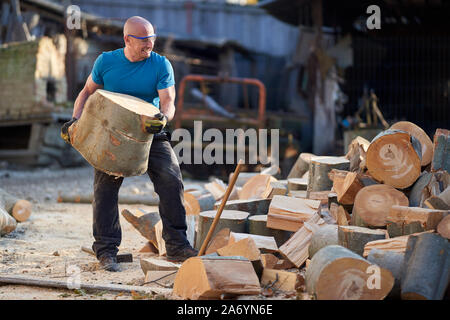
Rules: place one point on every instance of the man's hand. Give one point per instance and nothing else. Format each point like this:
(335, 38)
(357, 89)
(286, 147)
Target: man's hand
(156, 125)
(65, 130)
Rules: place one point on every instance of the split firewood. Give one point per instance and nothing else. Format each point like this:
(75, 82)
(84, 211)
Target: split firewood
(279, 188)
(110, 133)
(243, 178)
(407, 220)
(295, 184)
(336, 273)
(298, 194)
(394, 158)
(161, 244)
(397, 244)
(419, 134)
(301, 166)
(426, 268)
(268, 260)
(253, 207)
(147, 199)
(347, 188)
(357, 154)
(443, 227)
(7, 223)
(144, 223)
(263, 243)
(220, 240)
(272, 170)
(441, 153)
(209, 277)
(149, 247)
(324, 236)
(355, 238)
(232, 219)
(257, 225)
(372, 205)
(392, 261)
(245, 247)
(154, 264)
(280, 280)
(440, 202)
(428, 185)
(287, 213)
(257, 187)
(296, 248)
(217, 188)
(191, 204)
(319, 169)
(20, 209)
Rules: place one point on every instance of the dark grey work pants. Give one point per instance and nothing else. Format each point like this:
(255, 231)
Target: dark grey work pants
(164, 171)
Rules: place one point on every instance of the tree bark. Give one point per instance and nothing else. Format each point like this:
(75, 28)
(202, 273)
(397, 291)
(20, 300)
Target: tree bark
(441, 151)
(301, 166)
(319, 169)
(20, 209)
(355, 238)
(257, 224)
(324, 236)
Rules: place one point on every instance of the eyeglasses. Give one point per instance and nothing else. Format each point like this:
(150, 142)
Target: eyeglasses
(146, 39)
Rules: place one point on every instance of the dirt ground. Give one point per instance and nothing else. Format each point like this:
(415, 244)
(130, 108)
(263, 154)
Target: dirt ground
(49, 243)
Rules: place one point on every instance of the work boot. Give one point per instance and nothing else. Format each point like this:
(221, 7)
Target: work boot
(182, 254)
(109, 263)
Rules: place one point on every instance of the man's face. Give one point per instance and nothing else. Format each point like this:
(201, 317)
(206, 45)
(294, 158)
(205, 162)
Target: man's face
(141, 48)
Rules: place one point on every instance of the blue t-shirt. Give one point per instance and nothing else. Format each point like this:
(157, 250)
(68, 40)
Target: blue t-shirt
(140, 79)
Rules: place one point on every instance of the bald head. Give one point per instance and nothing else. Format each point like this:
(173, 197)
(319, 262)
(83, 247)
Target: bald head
(138, 26)
(138, 49)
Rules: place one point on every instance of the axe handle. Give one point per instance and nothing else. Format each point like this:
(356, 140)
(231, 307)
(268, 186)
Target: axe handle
(219, 211)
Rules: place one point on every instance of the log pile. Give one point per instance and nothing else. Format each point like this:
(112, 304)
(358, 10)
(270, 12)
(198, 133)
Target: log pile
(370, 225)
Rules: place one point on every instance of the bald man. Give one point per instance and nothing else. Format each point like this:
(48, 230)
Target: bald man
(138, 71)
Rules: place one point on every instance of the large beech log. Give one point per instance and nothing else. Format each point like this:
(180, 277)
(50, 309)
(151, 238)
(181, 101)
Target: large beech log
(286, 213)
(397, 244)
(145, 199)
(372, 205)
(407, 220)
(319, 169)
(347, 188)
(257, 224)
(336, 273)
(296, 248)
(110, 133)
(441, 150)
(20, 209)
(253, 207)
(257, 187)
(356, 154)
(263, 243)
(419, 134)
(394, 158)
(232, 219)
(301, 166)
(325, 236)
(209, 277)
(426, 268)
(7, 223)
(392, 261)
(443, 227)
(355, 238)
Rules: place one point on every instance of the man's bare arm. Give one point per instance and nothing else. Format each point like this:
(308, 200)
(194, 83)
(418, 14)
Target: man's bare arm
(167, 102)
(89, 88)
